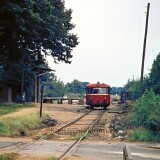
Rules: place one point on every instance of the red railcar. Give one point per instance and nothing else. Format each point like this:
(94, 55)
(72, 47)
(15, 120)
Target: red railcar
(98, 95)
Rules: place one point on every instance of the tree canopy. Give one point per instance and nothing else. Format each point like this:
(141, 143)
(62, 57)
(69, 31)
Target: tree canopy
(52, 87)
(154, 75)
(36, 25)
(75, 88)
(30, 30)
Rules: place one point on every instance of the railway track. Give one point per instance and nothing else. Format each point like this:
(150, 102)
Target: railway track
(74, 122)
(82, 126)
(93, 122)
(100, 130)
(78, 126)
(95, 126)
(60, 129)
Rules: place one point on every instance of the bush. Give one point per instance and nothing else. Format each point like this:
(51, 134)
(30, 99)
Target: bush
(146, 112)
(142, 134)
(145, 119)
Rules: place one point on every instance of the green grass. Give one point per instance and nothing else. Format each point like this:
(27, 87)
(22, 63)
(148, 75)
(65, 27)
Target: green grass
(12, 126)
(6, 108)
(8, 156)
(53, 158)
(142, 134)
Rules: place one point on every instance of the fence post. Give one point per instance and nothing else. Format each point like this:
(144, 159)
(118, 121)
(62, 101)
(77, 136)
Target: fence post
(126, 153)
(41, 101)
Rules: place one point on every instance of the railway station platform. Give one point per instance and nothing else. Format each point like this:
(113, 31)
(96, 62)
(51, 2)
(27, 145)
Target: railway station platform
(61, 100)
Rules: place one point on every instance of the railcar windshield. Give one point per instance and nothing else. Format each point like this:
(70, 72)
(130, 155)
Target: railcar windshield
(97, 91)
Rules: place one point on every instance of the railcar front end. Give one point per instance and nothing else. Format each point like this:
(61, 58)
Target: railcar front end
(98, 95)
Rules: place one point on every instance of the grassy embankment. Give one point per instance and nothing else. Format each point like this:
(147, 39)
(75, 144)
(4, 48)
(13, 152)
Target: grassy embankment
(145, 119)
(26, 122)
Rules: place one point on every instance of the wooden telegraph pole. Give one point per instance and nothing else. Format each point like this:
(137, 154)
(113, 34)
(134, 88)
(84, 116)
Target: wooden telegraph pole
(144, 47)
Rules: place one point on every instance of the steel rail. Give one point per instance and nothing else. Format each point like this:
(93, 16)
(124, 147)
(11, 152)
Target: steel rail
(64, 155)
(54, 131)
(72, 122)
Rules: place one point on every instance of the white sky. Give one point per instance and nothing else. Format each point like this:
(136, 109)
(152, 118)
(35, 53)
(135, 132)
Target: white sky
(111, 35)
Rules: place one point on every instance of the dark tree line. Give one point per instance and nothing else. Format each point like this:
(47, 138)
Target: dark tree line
(29, 31)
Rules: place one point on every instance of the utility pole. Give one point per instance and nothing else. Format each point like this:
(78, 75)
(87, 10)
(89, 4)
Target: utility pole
(144, 47)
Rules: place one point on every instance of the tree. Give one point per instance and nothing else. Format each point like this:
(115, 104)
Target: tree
(52, 88)
(29, 31)
(154, 75)
(75, 88)
(37, 25)
(116, 90)
(133, 87)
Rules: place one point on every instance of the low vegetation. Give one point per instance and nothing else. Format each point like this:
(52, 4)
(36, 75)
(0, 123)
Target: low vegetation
(8, 156)
(53, 158)
(145, 119)
(21, 124)
(6, 108)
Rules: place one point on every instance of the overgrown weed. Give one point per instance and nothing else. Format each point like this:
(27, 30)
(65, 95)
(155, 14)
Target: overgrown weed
(12, 126)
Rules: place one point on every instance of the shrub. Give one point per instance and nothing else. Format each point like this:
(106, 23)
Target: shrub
(146, 116)
(142, 134)
(146, 112)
